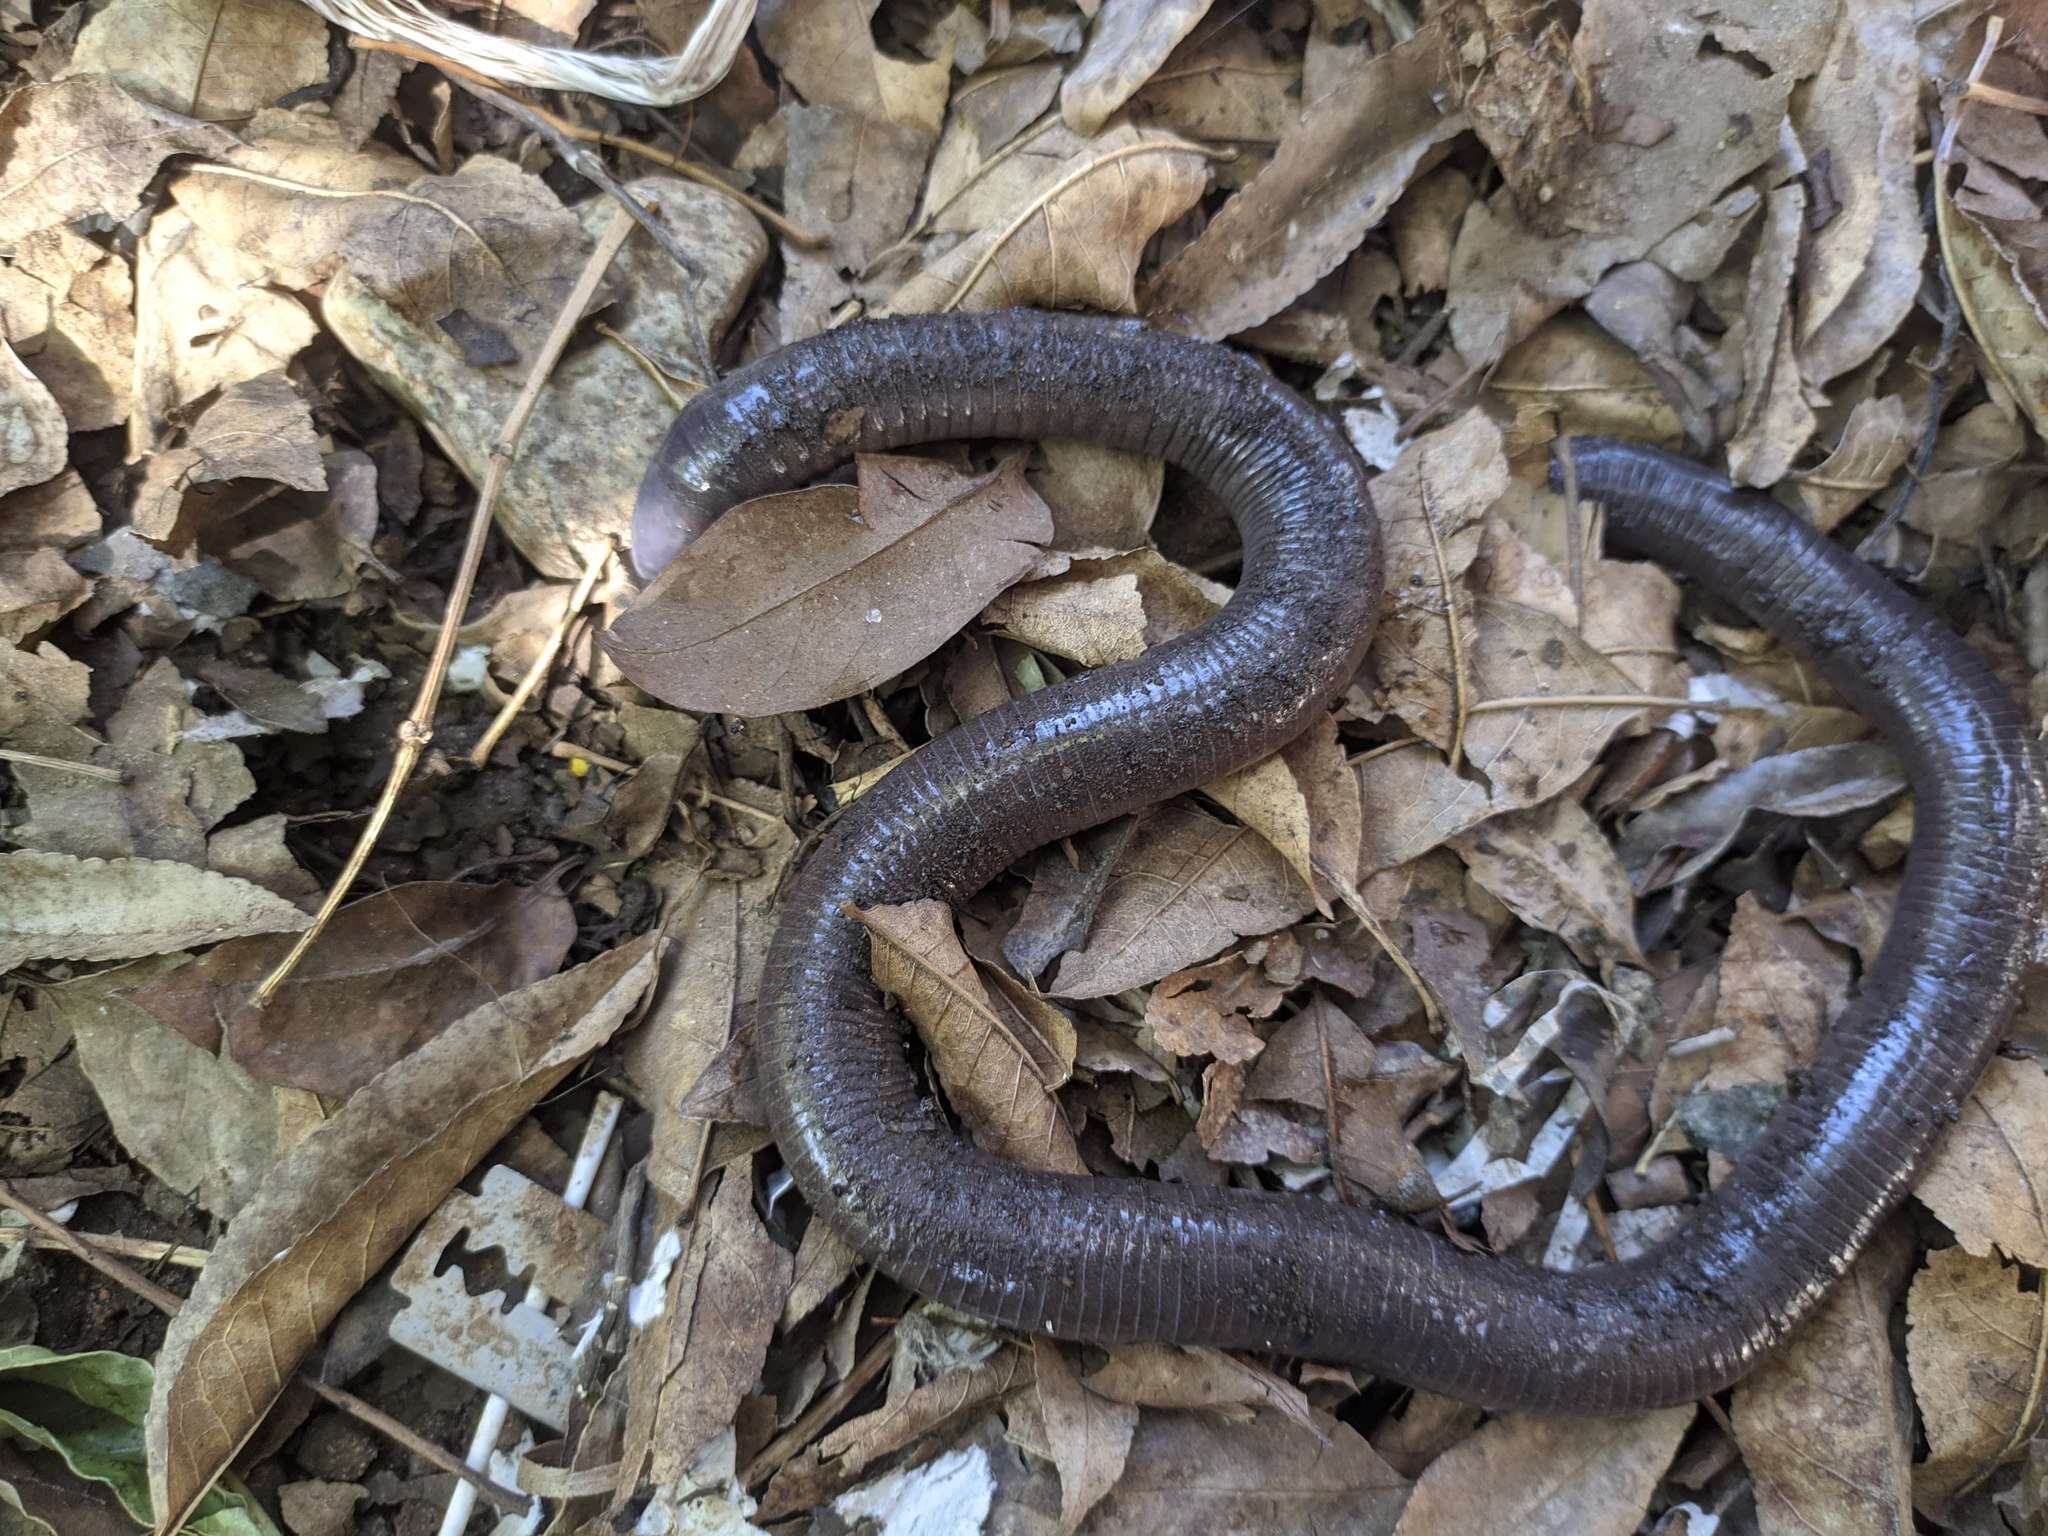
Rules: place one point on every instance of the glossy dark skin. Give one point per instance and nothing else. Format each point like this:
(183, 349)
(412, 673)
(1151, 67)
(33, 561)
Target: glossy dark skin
(1110, 1260)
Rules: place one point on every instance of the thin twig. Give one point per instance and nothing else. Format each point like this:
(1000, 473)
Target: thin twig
(62, 765)
(1460, 686)
(819, 1414)
(166, 1302)
(141, 1249)
(780, 223)
(537, 673)
(417, 730)
(590, 755)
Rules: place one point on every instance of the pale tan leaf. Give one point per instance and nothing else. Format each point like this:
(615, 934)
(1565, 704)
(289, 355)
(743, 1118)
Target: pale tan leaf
(215, 60)
(998, 1065)
(1172, 1376)
(340, 1204)
(804, 598)
(1186, 886)
(1194, 1474)
(1820, 1423)
(1540, 1476)
(1332, 178)
(1875, 441)
(1128, 42)
(1072, 239)
(34, 439)
(84, 147)
(2004, 317)
(56, 907)
(1304, 801)
(1977, 1342)
(257, 429)
(1553, 867)
(826, 49)
(1988, 1176)
(1089, 1435)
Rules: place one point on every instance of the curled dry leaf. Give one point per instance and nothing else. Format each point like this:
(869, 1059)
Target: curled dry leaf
(1820, 1422)
(1072, 239)
(1781, 986)
(1333, 178)
(1128, 42)
(1208, 1010)
(1977, 1343)
(400, 966)
(2002, 311)
(1089, 1435)
(83, 147)
(1986, 1177)
(1170, 1376)
(56, 907)
(1186, 886)
(808, 597)
(341, 1202)
(1703, 823)
(1548, 1476)
(256, 430)
(829, 54)
(65, 305)
(1193, 1473)
(1773, 418)
(1304, 801)
(999, 1054)
(1876, 440)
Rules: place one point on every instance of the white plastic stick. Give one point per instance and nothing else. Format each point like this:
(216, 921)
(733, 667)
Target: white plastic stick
(597, 1137)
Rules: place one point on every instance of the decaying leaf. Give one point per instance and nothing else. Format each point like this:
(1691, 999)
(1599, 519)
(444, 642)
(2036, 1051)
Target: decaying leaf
(335, 1209)
(800, 599)
(401, 966)
(1571, 1477)
(56, 907)
(1331, 180)
(32, 427)
(258, 429)
(1090, 1435)
(1129, 41)
(1984, 1177)
(1553, 868)
(999, 1062)
(1975, 1343)
(1821, 1425)
(213, 62)
(1185, 887)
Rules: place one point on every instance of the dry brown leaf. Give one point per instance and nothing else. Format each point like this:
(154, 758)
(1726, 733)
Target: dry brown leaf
(1100, 611)
(1781, 986)
(2002, 313)
(1705, 822)
(1208, 1010)
(854, 178)
(998, 1062)
(1128, 42)
(1543, 1476)
(37, 588)
(1574, 376)
(1977, 1342)
(34, 438)
(56, 907)
(1230, 82)
(1185, 887)
(1859, 124)
(723, 1302)
(1773, 419)
(1071, 237)
(259, 429)
(826, 49)
(1820, 1422)
(1987, 1174)
(842, 1455)
(172, 792)
(1553, 867)
(196, 1121)
(1101, 499)
(340, 1204)
(1064, 895)
(1173, 1376)
(1876, 440)
(401, 966)
(211, 316)
(85, 147)
(1304, 801)
(58, 514)
(65, 304)
(1089, 1435)
(1333, 177)
(1196, 1475)
(1676, 115)
(805, 598)
(215, 61)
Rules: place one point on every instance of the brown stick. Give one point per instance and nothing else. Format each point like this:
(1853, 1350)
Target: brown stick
(417, 730)
(819, 1414)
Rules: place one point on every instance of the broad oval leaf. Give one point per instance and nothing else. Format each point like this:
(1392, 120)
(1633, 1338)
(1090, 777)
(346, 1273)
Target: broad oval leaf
(56, 907)
(804, 598)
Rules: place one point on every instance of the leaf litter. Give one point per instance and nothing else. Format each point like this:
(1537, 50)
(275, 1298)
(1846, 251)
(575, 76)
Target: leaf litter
(266, 315)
